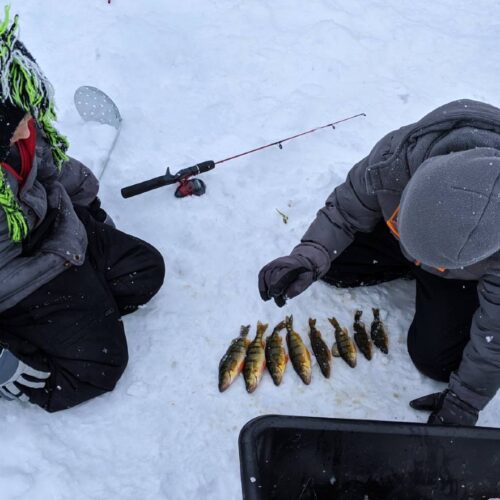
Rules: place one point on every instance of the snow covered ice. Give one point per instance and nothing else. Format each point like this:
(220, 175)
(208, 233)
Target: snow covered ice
(202, 80)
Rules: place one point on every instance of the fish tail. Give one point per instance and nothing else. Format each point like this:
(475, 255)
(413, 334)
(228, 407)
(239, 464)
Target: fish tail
(279, 327)
(334, 323)
(261, 328)
(244, 330)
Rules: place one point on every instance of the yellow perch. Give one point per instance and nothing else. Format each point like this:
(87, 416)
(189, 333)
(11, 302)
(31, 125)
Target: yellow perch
(276, 357)
(299, 355)
(361, 336)
(344, 346)
(232, 362)
(379, 333)
(320, 349)
(255, 360)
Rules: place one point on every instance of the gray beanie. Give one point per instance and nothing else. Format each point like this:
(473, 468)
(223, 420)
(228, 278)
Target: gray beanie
(450, 209)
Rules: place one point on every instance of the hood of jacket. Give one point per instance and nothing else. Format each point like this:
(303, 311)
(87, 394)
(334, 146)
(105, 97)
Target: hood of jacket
(450, 209)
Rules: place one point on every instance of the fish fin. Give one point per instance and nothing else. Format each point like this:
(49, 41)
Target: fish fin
(335, 350)
(308, 354)
(223, 359)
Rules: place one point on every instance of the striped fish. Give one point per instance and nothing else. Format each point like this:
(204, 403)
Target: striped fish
(232, 362)
(361, 336)
(320, 349)
(276, 357)
(299, 355)
(344, 346)
(379, 333)
(255, 360)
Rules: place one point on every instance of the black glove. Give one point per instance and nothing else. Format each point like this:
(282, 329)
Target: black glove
(447, 409)
(287, 277)
(99, 214)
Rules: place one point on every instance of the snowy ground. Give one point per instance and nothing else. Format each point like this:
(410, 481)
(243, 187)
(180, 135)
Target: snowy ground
(199, 80)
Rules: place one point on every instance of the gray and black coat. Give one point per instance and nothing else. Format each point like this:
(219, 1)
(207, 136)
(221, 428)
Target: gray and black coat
(45, 190)
(437, 183)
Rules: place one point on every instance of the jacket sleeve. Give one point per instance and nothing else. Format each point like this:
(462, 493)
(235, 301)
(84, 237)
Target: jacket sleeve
(478, 377)
(79, 181)
(20, 276)
(349, 209)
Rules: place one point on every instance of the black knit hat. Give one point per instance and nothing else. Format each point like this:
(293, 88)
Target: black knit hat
(10, 117)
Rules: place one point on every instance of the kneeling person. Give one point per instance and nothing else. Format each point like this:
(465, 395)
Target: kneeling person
(425, 203)
(67, 275)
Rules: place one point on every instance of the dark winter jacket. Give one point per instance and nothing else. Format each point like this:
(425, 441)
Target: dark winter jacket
(45, 190)
(464, 133)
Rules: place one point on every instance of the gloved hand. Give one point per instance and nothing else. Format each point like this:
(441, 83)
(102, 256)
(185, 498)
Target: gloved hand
(13, 371)
(99, 214)
(447, 409)
(287, 277)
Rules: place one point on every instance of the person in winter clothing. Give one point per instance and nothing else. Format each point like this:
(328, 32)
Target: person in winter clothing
(425, 203)
(67, 275)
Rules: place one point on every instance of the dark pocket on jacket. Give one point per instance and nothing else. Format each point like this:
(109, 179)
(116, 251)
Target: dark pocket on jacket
(33, 241)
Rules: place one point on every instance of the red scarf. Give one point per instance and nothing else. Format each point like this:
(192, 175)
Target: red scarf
(26, 149)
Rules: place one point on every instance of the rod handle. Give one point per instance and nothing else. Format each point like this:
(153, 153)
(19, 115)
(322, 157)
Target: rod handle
(142, 187)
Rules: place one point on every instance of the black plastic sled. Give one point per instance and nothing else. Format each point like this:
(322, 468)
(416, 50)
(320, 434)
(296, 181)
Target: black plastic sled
(304, 458)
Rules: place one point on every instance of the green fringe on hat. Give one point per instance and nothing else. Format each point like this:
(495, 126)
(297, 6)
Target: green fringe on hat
(18, 227)
(23, 84)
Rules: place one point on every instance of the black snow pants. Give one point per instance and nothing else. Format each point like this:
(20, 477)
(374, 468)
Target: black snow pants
(443, 307)
(71, 326)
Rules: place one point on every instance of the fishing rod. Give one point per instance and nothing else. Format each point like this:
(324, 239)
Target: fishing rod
(188, 186)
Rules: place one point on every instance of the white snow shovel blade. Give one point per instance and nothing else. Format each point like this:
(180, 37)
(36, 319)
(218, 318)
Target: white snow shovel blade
(93, 104)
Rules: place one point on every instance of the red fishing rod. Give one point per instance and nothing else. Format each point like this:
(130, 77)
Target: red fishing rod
(188, 186)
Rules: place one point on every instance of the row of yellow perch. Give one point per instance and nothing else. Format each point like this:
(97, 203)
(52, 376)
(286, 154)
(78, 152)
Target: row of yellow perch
(252, 357)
